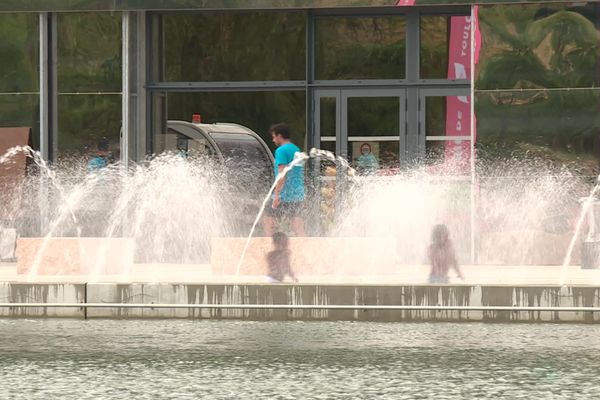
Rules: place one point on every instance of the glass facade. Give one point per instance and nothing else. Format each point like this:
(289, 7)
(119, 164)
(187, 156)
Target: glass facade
(536, 84)
(89, 83)
(538, 127)
(222, 46)
(19, 63)
(435, 30)
(360, 48)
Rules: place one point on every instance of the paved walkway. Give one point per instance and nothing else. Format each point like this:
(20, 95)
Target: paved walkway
(475, 274)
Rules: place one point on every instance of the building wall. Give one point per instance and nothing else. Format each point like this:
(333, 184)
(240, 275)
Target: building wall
(536, 97)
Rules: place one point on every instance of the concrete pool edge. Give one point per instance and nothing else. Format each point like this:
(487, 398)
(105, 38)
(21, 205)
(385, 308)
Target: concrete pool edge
(304, 295)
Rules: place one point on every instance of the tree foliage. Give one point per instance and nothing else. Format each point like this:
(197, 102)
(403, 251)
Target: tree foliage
(536, 83)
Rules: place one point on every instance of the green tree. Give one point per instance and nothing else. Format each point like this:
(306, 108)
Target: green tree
(526, 51)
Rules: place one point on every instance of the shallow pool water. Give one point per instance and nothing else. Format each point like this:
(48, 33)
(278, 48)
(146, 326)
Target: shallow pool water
(141, 359)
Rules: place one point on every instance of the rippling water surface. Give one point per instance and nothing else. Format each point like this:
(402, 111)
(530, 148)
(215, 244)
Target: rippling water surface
(73, 359)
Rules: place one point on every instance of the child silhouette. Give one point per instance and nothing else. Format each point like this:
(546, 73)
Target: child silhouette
(279, 259)
(441, 255)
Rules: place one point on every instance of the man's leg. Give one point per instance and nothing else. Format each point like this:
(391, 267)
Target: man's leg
(269, 223)
(298, 226)
(297, 218)
(270, 219)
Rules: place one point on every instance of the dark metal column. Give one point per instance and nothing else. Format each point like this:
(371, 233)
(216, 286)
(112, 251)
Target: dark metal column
(310, 78)
(312, 169)
(48, 87)
(409, 145)
(156, 101)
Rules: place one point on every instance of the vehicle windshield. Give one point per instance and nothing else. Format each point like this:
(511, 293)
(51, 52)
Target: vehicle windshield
(245, 155)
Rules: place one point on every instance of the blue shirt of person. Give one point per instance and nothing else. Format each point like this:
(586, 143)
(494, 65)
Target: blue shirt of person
(96, 163)
(293, 188)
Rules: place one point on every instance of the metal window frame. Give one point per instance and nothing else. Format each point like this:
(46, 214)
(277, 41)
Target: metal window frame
(347, 94)
(226, 86)
(318, 95)
(424, 93)
(450, 10)
(48, 90)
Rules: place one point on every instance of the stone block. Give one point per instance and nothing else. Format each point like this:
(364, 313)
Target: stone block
(13, 292)
(526, 247)
(316, 256)
(64, 256)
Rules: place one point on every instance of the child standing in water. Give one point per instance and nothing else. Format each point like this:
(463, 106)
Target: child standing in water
(279, 259)
(441, 255)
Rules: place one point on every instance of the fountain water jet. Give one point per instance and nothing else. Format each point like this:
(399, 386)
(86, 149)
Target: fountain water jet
(587, 203)
(170, 208)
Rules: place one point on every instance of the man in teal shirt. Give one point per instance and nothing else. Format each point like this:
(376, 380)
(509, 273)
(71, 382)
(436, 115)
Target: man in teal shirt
(288, 197)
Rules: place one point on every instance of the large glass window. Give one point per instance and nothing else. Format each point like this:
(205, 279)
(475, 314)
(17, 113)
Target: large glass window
(89, 83)
(537, 84)
(19, 85)
(538, 128)
(235, 46)
(85, 121)
(561, 127)
(434, 47)
(447, 133)
(360, 48)
(538, 46)
(256, 110)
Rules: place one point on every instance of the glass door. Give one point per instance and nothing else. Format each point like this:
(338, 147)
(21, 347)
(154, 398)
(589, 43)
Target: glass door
(350, 122)
(373, 127)
(365, 130)
(445, 138)
(446, 148)
(327, 131)
(327, 119)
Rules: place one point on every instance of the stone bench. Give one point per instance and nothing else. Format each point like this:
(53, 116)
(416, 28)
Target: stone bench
(526, 247)
(72, 255)
(316, 256)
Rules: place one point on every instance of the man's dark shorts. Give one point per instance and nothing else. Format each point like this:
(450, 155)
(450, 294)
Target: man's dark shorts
(285, 209)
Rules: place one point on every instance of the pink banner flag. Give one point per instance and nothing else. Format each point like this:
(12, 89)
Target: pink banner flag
(405, 3)
(458, 110)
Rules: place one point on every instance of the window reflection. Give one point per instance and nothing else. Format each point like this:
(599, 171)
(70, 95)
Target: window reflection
(562, 127)
(19, 59)
(434, 46)
(89, 52)
(371, 157)
(529, 48)
(88, 124)
(328, 116)
(255, 110)
(374, 116)
(223, 46)
(435, 113)
(19, 53)
(360, 47)
(89, 86)
(539, 45)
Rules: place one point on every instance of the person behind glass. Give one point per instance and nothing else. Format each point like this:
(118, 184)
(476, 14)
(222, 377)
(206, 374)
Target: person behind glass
(366, 163)
(279, 259)
(101, 158)
(288, 197)
(441, 255)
